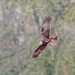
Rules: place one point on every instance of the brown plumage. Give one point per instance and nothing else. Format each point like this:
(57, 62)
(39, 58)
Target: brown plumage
(45, 37)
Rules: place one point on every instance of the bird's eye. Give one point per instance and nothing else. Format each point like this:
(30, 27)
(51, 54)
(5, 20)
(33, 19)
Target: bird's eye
(52, 40)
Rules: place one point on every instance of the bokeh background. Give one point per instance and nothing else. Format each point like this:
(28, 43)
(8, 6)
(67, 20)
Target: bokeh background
(20, 25)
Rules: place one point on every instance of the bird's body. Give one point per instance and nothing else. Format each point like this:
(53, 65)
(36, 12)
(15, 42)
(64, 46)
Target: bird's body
(45, 37)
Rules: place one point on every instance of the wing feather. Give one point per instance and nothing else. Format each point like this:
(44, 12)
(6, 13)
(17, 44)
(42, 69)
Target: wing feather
(45, 31)
(39, 50)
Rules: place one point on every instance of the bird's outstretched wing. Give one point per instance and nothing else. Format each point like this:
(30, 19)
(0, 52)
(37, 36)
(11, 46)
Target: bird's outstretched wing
(39, 50)
(45, 31)
(53, 39)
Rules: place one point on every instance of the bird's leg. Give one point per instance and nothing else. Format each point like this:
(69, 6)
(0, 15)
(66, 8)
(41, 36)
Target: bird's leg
(40, 43)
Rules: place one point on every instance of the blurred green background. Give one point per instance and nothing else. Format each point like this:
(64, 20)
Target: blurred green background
(20, 25)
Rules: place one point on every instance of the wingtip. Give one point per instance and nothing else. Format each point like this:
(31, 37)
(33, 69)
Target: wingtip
(47, 19)
(34, 56)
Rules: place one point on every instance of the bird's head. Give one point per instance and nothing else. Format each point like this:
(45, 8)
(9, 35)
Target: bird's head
(53, 39)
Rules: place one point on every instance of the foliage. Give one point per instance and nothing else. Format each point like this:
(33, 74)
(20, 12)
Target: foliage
(20, 26)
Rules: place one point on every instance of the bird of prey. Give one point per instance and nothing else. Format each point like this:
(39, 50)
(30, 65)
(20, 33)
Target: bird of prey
(45, 37)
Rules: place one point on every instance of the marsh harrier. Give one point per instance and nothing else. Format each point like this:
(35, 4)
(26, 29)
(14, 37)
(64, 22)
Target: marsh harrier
(46, 38)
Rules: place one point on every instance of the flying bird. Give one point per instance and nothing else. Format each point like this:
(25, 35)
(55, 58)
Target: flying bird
(45, 37)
